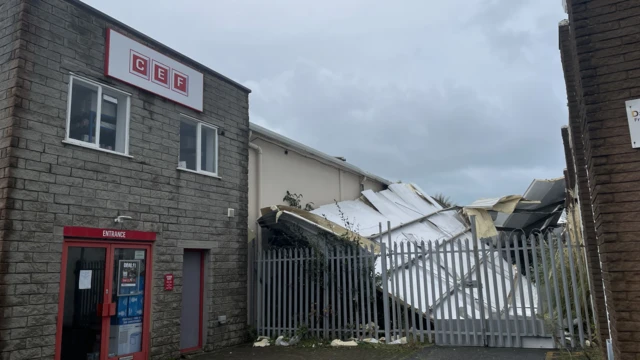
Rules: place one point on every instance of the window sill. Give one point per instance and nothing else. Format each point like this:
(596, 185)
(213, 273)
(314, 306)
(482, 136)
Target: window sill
(83, 145)
(199, 172)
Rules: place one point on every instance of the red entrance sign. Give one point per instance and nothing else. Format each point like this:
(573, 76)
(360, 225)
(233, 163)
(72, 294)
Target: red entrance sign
(117, 234)
(168, 282)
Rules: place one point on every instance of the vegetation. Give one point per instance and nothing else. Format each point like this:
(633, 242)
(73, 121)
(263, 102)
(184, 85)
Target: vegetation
(295, 200)
(444, 200)
(323, 265)
(559, 260)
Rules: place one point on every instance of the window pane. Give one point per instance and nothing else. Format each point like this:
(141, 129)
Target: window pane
(188, 145)
(84, 100)
(208, 150)
(108, 122)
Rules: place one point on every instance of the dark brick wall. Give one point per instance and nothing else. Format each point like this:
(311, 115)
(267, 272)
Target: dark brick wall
(577, 198)
(605, 38)
(574, 153)
(48, 185)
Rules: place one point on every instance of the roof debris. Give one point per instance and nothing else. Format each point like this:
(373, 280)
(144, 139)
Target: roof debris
(414, 217)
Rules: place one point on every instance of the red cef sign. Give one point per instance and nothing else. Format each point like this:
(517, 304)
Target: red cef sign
(168, 282)
(138, 65)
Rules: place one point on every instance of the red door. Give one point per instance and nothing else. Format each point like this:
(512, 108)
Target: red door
(103, 311)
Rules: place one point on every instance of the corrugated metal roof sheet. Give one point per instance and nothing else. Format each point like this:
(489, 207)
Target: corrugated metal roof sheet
(415, 217)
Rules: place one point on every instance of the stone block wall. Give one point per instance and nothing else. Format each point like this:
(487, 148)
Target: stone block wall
(47, 184)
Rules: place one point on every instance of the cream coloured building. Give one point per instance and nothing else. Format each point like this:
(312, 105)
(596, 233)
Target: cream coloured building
(278, 164)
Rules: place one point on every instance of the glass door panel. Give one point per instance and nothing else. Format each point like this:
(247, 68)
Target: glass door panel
(84, 281)
(128, 284)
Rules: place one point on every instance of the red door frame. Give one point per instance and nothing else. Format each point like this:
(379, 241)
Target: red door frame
(201, 310)
(95, 238)
(147, 300)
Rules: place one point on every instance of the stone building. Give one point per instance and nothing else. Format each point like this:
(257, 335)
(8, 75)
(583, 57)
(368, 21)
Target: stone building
(600, 48)
(121, 160)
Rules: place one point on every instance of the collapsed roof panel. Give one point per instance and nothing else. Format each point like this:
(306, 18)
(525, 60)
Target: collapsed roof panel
(539, 207)
(414, 217)
(410, 198)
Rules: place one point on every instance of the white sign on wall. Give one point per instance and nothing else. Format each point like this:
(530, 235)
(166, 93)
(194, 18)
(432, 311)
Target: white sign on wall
(138, 65)
(633, 115)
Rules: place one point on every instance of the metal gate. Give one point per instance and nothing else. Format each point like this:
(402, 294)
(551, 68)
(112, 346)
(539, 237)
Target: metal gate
(509, 291)
(520, 292)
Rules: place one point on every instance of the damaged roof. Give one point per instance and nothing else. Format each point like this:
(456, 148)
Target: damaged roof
(539, 208)
(413, 216)
(542, 207)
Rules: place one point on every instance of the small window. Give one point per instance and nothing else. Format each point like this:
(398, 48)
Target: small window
(198, 147)
(98, 116)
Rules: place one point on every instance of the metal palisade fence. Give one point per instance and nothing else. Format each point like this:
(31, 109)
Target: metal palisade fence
(506, 291)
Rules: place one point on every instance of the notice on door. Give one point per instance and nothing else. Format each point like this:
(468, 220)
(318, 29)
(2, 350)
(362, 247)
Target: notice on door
(128, 276)
(84, 282)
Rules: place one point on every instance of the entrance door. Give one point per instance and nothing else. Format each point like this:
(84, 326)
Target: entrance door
(83, 289)
(126, 324)
(102, 308)
(192, 294)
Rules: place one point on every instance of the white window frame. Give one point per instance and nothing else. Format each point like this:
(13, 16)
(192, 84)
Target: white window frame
(199, 125)
(127, 119)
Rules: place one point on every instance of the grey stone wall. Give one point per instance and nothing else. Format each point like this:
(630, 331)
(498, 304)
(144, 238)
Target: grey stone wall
(48, 185)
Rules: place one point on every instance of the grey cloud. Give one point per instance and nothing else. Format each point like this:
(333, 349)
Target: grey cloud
(417, 135)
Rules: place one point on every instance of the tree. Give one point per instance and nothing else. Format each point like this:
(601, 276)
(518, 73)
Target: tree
(443, 200)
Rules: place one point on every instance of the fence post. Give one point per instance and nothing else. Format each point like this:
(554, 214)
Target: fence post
(574, 283)
(385, 291)
(478, 276)
(257, 285)
(567, 300)
(325, 293)
(374, 288)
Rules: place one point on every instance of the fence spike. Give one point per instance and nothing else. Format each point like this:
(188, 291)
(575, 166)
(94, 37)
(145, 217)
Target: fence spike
(421, 289)
(576, 297)
(520, 284)
(372, 266)
(528, 267)
(567, 295)
(463, 288)
(512, 293)
(556, 287)
(501, 262)
(491, 339)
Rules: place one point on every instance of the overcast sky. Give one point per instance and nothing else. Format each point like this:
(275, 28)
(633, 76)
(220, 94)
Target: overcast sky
(462, 97)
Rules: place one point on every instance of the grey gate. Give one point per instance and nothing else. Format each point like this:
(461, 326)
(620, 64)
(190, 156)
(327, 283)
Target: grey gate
(500, 292)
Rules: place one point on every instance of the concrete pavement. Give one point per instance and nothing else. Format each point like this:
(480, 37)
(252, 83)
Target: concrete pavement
(478, 353)
(374, 353)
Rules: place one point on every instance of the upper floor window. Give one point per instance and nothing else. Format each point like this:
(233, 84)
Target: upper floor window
(198, 147)
(97, 116)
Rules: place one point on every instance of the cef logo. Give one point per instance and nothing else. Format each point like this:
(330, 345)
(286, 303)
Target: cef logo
(158, 73)
(138, 65)
(636, 115)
